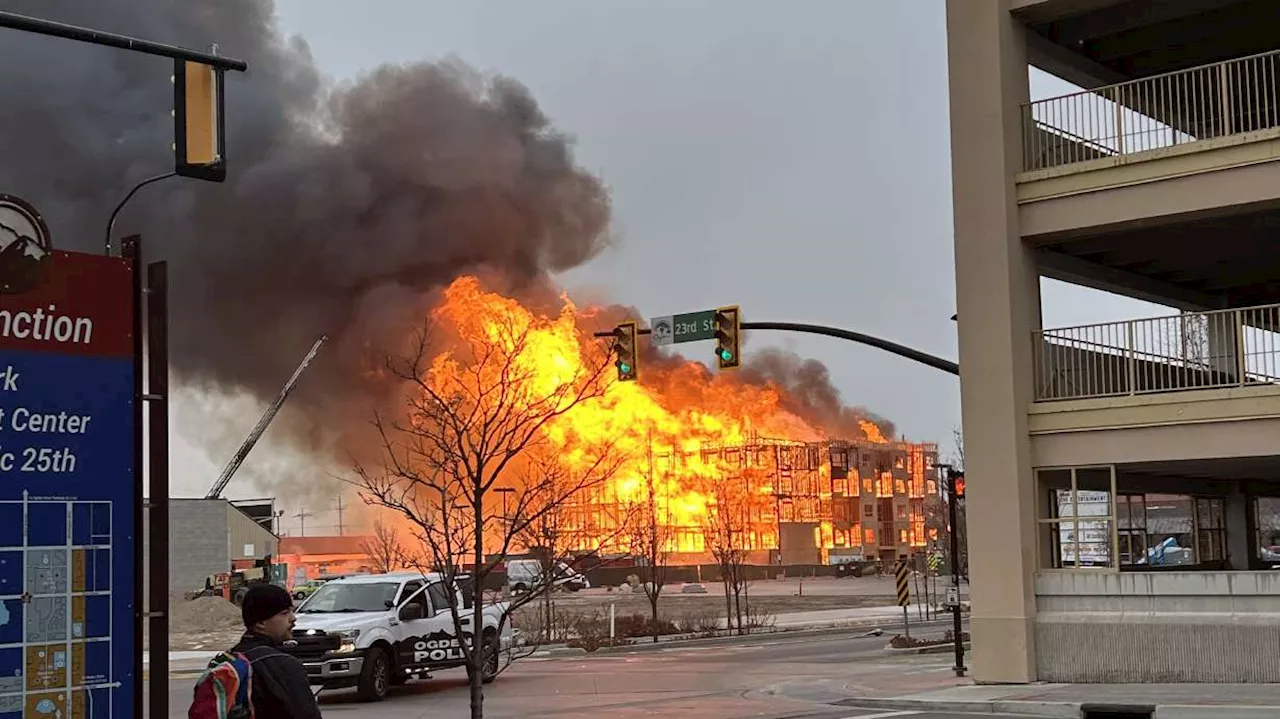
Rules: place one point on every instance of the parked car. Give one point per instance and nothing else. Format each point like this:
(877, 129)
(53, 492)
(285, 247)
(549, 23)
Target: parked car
(526, 574)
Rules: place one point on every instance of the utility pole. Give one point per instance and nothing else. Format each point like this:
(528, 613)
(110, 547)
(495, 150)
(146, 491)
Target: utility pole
(302, 522)
(340, 508)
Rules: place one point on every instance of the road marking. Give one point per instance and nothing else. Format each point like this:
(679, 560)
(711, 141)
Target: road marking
(884, 715)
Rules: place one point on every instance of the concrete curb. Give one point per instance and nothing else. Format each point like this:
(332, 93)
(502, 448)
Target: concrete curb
(1054, 710)
(559, 650)
(1191, 711)
(944, 648)
(1061, 710)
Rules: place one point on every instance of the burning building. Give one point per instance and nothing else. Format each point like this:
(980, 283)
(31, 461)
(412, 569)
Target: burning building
(694, 462)
(799, 502)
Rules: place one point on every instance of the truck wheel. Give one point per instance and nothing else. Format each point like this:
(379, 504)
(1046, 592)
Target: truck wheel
(375, 677)
(519, 588)
(492, 658)
(299, 595)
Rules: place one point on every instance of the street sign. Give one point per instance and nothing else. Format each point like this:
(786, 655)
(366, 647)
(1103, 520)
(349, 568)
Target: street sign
(953, 597)
(688, 327)
(69, 495)
(901, 573)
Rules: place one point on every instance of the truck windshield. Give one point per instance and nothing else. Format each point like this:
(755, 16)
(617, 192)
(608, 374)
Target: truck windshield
(340, 597)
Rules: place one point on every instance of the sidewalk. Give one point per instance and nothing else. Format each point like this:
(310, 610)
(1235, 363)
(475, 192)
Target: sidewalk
(1169, 701)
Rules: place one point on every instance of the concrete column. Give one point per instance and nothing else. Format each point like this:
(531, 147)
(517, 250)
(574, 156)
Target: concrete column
(997, 297)
(1236, 515)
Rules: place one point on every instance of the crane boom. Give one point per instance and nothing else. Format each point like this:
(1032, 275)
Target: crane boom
(245, 447)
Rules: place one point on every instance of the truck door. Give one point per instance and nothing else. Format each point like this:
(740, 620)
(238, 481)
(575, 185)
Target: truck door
(407, 631)
(440, 646)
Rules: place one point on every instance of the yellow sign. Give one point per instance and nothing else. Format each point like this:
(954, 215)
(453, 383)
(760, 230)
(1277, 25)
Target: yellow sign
(904, 590)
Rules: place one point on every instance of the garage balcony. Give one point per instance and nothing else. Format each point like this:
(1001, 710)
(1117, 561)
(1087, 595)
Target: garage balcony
(1201, 108)
(1188, 387)
(1191, 351)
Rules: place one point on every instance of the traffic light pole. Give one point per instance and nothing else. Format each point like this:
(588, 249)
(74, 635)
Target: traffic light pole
(952, 501)
(901, 350)
(15, 21)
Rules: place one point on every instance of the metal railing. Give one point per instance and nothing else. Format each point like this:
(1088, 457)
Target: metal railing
(1225, 98)
(1200, 350)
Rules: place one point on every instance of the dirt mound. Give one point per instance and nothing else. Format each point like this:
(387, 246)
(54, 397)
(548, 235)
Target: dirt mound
(203, 614)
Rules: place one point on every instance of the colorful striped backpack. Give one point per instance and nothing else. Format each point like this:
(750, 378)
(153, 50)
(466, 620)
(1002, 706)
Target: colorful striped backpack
(223, 690)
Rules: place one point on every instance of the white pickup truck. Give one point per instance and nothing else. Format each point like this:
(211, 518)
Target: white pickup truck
(377, 630)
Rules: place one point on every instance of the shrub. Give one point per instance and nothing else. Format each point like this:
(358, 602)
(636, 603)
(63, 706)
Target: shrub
(640, 625)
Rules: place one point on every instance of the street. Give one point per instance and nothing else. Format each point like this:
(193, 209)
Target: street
(769, 676)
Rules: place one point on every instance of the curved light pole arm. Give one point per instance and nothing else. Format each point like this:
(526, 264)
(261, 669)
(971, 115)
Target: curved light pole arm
(111, 223)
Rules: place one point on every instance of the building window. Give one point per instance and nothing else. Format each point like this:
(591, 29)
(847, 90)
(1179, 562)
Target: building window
(870, 537)
(900, 486)
(1211, 530)
(1131, 528)
(868, 486)
(1266, 516)
(840, 486)
(902, 536)
(1076, 517)
(902, 512)
(869, 510)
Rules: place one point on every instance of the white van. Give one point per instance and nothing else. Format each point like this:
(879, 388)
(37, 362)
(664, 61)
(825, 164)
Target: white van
(526, 574)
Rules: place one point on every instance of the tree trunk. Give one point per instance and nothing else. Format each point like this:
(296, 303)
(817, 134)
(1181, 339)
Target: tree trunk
(728, 598)
(737, 598)
(653, 605)
(476, 655)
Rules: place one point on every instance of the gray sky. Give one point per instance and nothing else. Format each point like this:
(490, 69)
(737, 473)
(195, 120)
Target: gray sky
(789, 157)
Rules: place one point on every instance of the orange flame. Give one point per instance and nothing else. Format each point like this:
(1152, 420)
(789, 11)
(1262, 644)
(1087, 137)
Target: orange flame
(671, 427)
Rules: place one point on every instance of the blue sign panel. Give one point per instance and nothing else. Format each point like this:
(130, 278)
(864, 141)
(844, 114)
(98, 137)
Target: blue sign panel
(68, 494)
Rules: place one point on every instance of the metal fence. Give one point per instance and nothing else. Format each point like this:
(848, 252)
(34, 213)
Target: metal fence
(1225, 348)
(1176, 108)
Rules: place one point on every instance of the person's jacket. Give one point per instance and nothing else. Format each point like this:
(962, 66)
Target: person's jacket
(280, 689)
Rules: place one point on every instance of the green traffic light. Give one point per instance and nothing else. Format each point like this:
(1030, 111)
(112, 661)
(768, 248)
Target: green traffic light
(624, 368)
(726, 355)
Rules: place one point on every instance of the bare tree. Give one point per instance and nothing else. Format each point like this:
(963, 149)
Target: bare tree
(384, 548)
(651, 539)
(472, 415)
(559, 531)
(727, 527)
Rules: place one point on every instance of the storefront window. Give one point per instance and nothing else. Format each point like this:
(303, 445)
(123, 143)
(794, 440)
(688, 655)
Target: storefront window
(1267, 520)
(1076, 517)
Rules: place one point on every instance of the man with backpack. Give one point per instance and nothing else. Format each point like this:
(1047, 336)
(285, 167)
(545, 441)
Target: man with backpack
(256, 679)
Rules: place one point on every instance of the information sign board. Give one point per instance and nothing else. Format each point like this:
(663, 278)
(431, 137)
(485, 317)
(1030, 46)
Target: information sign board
(68, 496)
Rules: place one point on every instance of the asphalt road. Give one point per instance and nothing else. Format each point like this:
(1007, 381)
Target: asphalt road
(763, 677)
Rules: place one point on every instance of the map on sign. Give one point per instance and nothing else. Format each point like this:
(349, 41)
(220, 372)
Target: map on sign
(688, 327)
(68, 497)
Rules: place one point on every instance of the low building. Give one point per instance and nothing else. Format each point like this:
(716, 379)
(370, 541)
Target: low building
(206, 536)
(318, 557)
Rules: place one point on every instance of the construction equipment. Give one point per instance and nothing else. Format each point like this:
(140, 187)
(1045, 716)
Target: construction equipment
(233, 585)
(238, 458)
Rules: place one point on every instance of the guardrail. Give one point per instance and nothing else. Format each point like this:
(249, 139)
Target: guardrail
(1200, 103)
(1201, 350)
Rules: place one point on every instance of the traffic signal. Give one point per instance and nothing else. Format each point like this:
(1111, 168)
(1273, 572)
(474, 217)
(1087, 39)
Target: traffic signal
(728, 342)
(957, 480)
(624, 351)
(198, 134)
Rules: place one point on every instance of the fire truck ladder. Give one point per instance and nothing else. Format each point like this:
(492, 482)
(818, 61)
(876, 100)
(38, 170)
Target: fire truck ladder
(245, 447)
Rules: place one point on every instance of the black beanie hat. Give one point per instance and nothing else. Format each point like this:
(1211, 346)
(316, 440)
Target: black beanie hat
(264, 601)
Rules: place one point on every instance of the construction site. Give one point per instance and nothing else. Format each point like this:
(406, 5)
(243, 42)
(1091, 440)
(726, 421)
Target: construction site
(795, 503)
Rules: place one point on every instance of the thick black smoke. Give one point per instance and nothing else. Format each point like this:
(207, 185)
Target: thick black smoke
(342, 203)
(807, 390)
